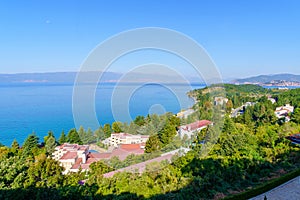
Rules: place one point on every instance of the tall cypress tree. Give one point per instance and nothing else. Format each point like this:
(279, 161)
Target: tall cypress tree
(50, 145)
(62, 139)
(30, 144)
(73, 137)
(107, 130)
(15, 146)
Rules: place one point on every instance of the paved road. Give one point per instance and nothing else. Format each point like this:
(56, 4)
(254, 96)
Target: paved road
(287, 191)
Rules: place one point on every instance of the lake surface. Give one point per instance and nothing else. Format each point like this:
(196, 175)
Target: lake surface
(27, 108)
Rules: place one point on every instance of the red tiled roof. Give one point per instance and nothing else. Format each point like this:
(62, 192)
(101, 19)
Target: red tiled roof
(99, 155)
(69, 155)
(73, 147)
(91, 160)
(85, 166)
(195, 125)
(122, 154)
(77, 164)
(83, 147)
(138, 151)
(130, 146)
(121, 134)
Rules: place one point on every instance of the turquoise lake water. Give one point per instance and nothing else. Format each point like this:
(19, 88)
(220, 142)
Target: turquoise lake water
(27, 108)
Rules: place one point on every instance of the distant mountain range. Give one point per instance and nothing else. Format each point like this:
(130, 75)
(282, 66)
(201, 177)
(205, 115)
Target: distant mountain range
(271, 80)
(51, 77)
(107, 77)
(139, 77)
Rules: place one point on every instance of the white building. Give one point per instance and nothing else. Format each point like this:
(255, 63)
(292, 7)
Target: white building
(272, 100)
(191, 128)
(283, 111)
(69, 154)
(220, 101)
(249, 104)
(125, 138)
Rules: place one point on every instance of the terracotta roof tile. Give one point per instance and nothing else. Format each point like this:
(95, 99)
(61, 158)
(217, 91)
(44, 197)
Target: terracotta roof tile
(195, 125)
(99, 155)
(77, 164)
(69, 155)
(130, 146)
(120, 153)
(91, 160)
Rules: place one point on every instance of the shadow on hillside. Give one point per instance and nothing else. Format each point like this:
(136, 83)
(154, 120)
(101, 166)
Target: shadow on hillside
(212, 179)
(72, 193)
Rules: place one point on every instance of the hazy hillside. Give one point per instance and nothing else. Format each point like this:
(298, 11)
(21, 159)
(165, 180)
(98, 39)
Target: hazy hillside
(269, 78)
(53, 77)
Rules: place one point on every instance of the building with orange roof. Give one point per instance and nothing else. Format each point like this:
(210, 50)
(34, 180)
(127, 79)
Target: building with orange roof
(190, 129)
(74, 157)
(69, 155)
(122, 151)
(125, 150)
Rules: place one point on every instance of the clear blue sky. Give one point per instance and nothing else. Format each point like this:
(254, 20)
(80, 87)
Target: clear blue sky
(244, 38)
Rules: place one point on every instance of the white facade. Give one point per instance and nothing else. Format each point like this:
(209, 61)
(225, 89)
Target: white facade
(192, 128)
(69, 154)
(283, 111)
(124, 138)
(272, 100)
(220, 101)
